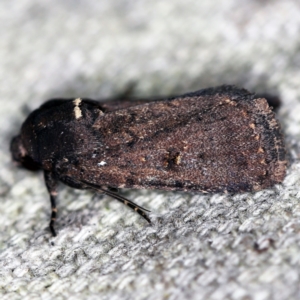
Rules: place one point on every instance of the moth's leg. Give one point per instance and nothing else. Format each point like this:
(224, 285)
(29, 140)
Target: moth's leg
(140, 210)
(113, 189)
(51, 183)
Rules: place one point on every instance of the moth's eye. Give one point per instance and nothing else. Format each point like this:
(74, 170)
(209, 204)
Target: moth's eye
(20, 156)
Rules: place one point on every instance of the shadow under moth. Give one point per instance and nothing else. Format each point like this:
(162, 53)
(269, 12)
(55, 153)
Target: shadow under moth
(221, 139)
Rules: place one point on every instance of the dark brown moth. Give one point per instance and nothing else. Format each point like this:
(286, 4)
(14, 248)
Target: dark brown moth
(221, 139)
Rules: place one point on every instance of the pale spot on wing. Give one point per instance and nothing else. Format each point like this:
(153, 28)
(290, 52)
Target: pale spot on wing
(77, 109)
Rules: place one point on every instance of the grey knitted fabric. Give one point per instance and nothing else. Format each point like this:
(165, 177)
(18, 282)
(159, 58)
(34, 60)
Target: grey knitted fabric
(217, 246)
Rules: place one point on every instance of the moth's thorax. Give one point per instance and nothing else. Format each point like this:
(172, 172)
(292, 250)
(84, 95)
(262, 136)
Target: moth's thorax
(57, 129)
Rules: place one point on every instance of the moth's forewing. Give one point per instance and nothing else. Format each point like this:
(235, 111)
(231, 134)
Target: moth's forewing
(214, 140)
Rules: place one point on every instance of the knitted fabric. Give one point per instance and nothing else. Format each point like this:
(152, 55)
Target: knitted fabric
(215, 246)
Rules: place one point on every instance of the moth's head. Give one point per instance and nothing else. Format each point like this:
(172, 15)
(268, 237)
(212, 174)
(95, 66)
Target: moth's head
(20, 155)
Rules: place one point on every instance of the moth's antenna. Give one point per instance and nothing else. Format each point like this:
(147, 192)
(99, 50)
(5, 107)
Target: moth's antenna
(140, 210)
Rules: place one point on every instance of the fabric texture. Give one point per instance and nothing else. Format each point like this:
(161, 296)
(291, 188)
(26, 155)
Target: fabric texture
(215, 246)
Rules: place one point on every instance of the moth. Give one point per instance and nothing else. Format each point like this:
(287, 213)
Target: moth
(221, 139)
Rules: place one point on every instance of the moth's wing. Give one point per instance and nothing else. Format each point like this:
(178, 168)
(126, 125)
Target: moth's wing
(219, 139)
(123, 103)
